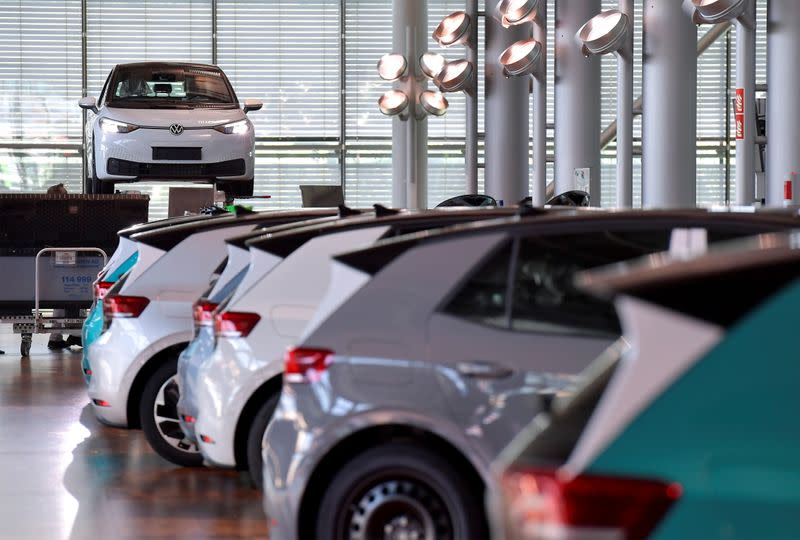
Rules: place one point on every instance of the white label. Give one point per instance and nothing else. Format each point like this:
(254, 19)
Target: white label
(65, 258)
(582, 177)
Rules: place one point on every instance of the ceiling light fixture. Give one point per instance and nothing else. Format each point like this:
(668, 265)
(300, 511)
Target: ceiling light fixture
(393, 102)
(453, 30)
(392, 66)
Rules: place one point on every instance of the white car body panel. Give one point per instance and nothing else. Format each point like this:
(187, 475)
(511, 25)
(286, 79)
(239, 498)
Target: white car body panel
(286, 298)
(345, 280)
(261, 263)
(125, 249)
(148, 255)
(172, 283)
(664, 344)
(238, 259)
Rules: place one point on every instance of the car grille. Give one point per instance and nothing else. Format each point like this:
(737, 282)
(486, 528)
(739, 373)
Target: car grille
(121, 167)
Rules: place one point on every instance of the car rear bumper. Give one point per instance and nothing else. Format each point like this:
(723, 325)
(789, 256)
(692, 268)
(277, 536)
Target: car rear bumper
(226, 382)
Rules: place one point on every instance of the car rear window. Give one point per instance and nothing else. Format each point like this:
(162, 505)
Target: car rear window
(229, 287)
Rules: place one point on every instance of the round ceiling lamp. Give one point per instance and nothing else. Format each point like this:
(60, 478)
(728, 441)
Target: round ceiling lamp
(392, 66)
(393, 102)
(453, 29)
(517, 11)
(455, 76)
(431, 64)
(433, 102)
(604, 33)
(523, 57)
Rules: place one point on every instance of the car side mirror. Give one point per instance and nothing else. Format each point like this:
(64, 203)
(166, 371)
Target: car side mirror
(252, 105)
(89, 103)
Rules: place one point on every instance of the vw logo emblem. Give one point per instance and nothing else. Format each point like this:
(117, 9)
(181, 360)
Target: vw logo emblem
(176, 129)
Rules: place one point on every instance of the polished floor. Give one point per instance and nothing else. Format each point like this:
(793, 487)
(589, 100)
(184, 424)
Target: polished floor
(64, 475)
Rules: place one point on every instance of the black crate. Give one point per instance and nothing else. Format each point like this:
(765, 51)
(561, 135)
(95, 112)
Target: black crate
(32, 221)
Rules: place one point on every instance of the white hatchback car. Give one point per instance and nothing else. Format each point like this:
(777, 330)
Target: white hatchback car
(170, 121)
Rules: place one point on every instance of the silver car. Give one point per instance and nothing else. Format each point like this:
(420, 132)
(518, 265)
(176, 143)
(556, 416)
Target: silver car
(431, 353)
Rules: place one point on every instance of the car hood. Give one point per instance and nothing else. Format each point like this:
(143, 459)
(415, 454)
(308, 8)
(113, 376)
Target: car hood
(188, 118)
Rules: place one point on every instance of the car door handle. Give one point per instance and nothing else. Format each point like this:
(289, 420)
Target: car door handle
(483, 370)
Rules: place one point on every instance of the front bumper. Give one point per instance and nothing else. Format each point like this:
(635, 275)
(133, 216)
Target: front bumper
(127, 156)
(225, 383)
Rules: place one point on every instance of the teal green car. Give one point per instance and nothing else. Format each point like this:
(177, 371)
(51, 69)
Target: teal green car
(688, 431)
(93, 325)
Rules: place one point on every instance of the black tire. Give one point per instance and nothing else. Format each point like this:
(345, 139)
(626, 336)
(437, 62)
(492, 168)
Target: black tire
(165, 435)
(99, 187)
(405, 487)
(255, 435)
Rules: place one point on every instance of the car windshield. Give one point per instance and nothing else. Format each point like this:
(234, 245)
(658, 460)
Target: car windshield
(179, 86)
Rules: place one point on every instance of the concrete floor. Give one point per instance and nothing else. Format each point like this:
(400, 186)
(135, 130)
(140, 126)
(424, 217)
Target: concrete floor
(64, 475)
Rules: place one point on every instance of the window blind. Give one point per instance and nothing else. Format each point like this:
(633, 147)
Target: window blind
(40, 85)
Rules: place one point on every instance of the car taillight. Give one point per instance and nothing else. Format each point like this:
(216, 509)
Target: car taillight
(305, 365)
(124, 307)
(101, 288)
(204, 312)
(232, 324)
(545, 505)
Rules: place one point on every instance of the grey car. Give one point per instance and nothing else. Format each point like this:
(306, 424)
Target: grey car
(431, 352)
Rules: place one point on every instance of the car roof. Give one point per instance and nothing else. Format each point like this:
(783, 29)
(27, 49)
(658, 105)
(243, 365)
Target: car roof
(168, 237)
(283, 242)
(762, 250)
(190, 65)
(159, 223)
(564, 221)
(240, 240)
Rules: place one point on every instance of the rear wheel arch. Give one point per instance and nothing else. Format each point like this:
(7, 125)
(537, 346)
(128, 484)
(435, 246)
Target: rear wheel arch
(249, 411)
(369, 438)
(144, 374)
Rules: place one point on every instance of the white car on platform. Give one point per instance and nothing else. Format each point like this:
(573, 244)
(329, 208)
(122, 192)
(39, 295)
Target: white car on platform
(170, 121)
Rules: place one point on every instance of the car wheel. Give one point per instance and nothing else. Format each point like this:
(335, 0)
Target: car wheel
(400, 491)
(254, 438)
(158, 411)
(100, 187)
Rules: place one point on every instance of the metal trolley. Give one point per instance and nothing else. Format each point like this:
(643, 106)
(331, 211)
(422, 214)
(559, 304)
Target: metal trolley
(45, 285)
(73, 283)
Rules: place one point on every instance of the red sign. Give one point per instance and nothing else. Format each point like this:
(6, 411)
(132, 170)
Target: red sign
(739, 106)
(787, 190)
(739, 127)
(738, 109)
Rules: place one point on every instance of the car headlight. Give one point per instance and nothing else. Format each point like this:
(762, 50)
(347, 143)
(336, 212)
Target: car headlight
(239, 127)
(112, 126)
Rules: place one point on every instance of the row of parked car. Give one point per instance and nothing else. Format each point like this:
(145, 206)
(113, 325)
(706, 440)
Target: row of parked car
(466, 372)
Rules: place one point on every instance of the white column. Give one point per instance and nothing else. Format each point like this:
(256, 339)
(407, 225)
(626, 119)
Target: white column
(410, 137)
(669, 106)
(625, 114)
(746, 81)
(539, 184)
(577, 100)
(783, 105)
(506, 120)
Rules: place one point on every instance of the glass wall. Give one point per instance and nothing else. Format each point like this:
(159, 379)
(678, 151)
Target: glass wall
(312, 62)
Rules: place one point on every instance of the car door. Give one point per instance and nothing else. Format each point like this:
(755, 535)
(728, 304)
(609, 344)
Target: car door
(519, 330)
